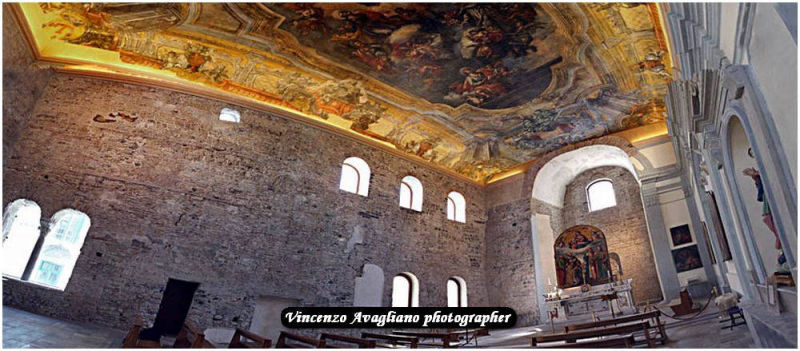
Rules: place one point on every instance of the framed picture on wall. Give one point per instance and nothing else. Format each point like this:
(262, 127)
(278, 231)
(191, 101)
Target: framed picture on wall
(686, 258)
(680, 235)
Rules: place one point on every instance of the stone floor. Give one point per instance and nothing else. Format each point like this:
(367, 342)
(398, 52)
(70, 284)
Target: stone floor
(703, 331)
(27, 330)
(23, 329)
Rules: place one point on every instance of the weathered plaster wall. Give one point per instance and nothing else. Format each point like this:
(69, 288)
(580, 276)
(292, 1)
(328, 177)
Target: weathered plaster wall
(23, 82)
(623, 225)
(248, 210)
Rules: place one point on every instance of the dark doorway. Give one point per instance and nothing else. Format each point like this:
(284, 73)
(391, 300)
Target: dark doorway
(172, 311)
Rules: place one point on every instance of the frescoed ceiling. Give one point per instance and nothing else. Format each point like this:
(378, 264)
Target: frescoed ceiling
(474, 88)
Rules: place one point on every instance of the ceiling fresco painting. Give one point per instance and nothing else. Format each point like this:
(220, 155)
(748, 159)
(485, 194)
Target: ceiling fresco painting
(475, 88)
(480, 54)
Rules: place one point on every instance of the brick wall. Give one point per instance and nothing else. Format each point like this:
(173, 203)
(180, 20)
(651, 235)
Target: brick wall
(623, 225)
(247, 210)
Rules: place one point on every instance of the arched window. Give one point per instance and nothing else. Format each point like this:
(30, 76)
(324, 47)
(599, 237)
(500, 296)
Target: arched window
(405, 290)
(230, 115)
(60, 249)
(456, 292)
(456, 207)
(355, 176)
(600, 195)
(411, 193)
(20, 234)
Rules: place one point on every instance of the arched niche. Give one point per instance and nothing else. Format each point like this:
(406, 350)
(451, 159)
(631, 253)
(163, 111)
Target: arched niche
(753, 206)
(369, 287)
(552, 179)
(549, 188)
(779, 186)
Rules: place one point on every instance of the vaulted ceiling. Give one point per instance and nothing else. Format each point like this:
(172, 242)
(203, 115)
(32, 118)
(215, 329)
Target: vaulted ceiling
(474, 88)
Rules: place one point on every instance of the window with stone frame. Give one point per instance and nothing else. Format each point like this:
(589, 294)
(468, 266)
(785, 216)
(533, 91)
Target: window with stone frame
(600, 195)
(60, 249)
(355, 176)
(456, 207)
(405, 290)
(411, 193)
(21, 222)
(456, 292)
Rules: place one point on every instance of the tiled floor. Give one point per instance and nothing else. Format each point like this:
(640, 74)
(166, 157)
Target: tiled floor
(27, 330)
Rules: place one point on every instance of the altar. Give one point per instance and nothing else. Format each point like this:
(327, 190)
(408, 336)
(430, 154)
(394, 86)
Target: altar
(614, 298)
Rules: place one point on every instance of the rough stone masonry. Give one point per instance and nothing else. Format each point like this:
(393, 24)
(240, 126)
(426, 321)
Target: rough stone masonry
(248, 210)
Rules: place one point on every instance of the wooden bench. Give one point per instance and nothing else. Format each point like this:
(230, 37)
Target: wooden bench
(361, 343)
(654, 316)
(191, 337)
(616, 342)
(293, 341)
(392, 341)
(252, 340)
(574, 336)
(469, 334)
(446, 338)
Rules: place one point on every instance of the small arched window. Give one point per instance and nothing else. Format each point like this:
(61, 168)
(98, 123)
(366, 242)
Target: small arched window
(21, 223)
(600, 195)
(456, 292)
(456, 207)
(60, 249)
(411, 193)
(405, 290)
(355, 176)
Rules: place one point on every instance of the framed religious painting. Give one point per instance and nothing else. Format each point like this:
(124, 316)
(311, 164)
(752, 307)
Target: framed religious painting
(686, 258)
(680, 235)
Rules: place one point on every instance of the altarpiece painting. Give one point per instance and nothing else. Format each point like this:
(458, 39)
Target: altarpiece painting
(581, 256)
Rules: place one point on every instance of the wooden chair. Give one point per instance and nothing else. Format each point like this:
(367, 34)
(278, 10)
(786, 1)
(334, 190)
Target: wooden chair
(361, 343)
(191, 337)
(392, 341)
(653, 316)
(617, 342)
(293, 341)
(132, 340)
(574, 336)
(255, 341)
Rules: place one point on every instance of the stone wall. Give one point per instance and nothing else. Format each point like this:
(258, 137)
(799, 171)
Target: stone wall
(623, 225)
(23, 81)
(510, 272)
(248, 210)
